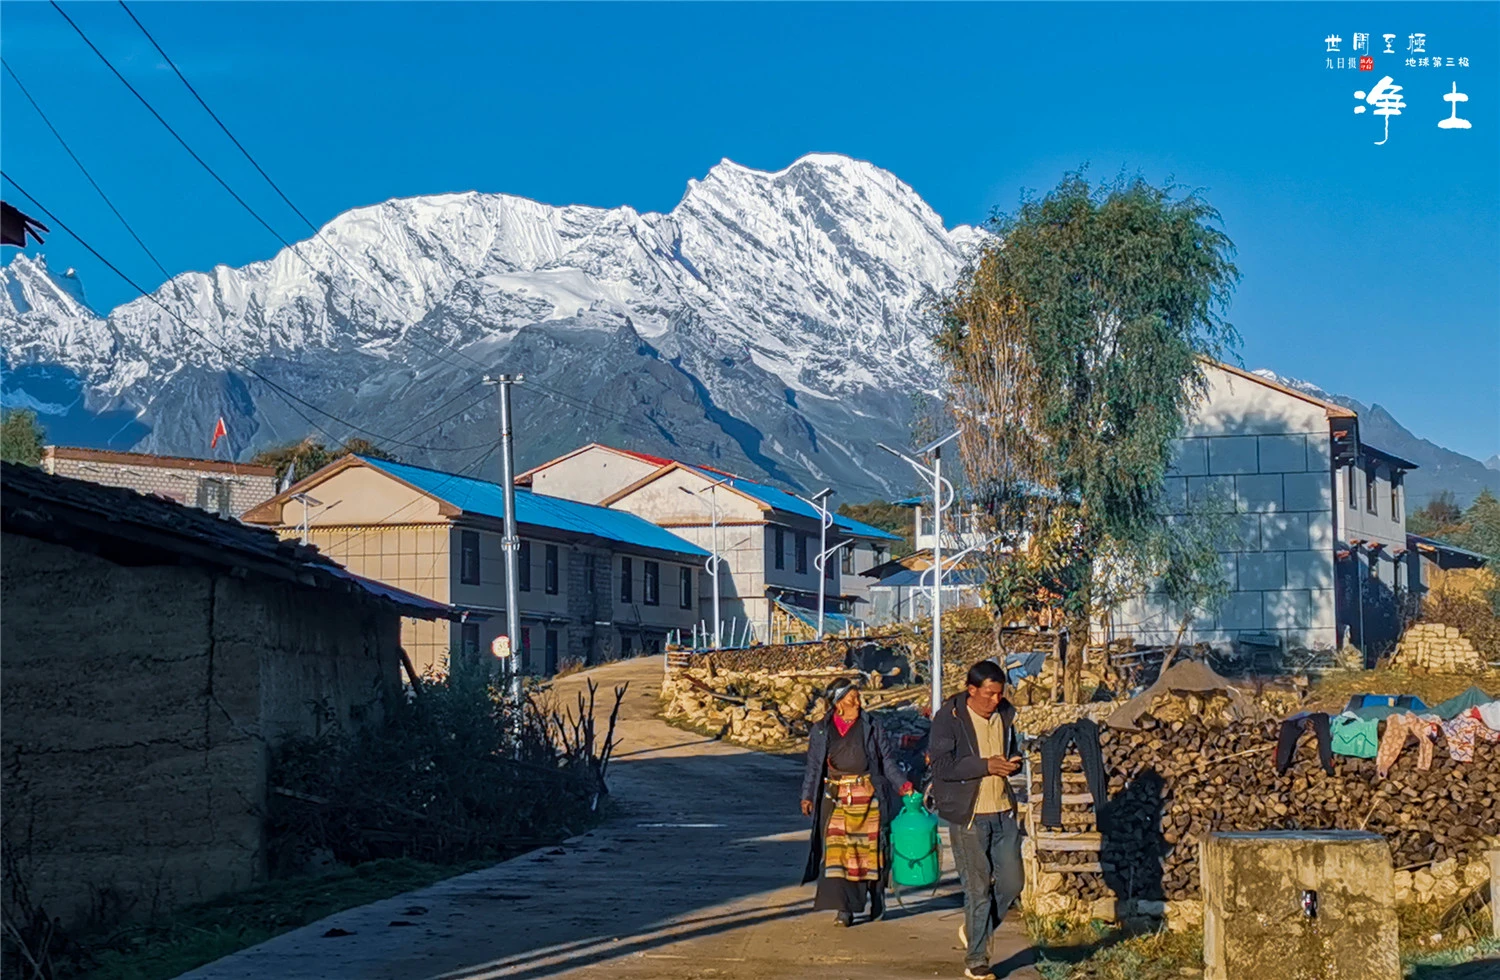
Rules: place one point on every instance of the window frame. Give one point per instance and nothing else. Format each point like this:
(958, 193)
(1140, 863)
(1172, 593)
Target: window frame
(1372, 490)
(1396, 487)
(627, 581)
(846, 560)
(465, 632)
(685, 587)
(651, 583)
(801, 556)
(525, 651)
(523, 566)
(551, 651)
(551, 560)
(780, 549)
(220, 490)
(465, 539)
(1350, 486)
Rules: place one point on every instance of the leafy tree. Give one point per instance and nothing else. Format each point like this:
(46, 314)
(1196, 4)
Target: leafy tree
(1481, 525)
(888, 517)
(21, 437)
(308, 456)
(1440, 517)
(1075, 343)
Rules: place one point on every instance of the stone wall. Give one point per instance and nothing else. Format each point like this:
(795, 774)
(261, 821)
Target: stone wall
(1437, 649)
(196, 486)
(139, 705)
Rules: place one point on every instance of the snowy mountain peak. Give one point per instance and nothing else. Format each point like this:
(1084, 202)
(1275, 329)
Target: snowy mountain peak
(1306, 387)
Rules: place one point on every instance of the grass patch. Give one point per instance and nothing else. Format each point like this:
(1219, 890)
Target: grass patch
(1098, 951)
(200, 934)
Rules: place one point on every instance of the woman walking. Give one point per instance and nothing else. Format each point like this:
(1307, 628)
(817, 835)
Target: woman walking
(850, 780)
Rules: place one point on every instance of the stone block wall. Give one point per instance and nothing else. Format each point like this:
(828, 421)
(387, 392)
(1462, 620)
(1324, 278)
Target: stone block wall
(184, 484)
(1437, 649)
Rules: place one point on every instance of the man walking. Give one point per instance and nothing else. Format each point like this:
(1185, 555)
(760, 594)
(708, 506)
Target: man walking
(972, 751)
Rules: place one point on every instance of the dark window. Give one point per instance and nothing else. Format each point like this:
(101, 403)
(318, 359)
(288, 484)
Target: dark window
(1350, 481)
(846, 560)
(878, 555)
(551, 651)
(1370, 490)
(551, 557)
(1395, 496)
(1396, 576)
(1375, 566)
(653, 645)
(828, 567)
(470, 641)
(525, 647)
(523, 567)
(213, 496)
(651, 584)
(685, 580)
(468, 564)
(624, 645)
(801, 554)
(780, 549)
(627, 587)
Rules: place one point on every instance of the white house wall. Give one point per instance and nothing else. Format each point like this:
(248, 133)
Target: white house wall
(591, 475)
(1258, 458)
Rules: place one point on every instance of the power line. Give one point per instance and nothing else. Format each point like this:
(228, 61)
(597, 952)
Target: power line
(285, 394)
(321, 276)
(145, 248)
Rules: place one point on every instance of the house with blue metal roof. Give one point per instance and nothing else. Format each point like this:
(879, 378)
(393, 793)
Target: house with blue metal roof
(594, 582)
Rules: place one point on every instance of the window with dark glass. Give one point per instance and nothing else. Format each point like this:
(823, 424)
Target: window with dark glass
(1395, 496)
(846, 560)
(651, 584)
(780, 548)
(627, 587)
(801, 554)
(468, 564)
(470, 640)
(625, 647)
(525, 647)
(551, 651)
(685, 584)
(523, 567)
(213, 496)
(1370, 490)
(551, 569)
(1350, 483)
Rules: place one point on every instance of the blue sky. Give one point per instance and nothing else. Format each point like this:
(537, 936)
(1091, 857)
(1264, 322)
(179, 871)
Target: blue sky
(1370, 270)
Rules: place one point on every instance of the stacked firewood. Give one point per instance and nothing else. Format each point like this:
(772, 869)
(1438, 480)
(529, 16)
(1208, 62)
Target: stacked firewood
(1173, 782)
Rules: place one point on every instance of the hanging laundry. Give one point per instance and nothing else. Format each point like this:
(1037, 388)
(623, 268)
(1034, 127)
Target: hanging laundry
(1354, 736)
(1084, 734)
(1424, 728)
(1462, 733)
(1291, 734)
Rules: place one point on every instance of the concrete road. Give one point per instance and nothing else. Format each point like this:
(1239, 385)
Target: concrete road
(695, 876)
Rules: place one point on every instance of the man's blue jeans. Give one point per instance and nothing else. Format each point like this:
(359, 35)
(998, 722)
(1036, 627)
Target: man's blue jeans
(988, 855)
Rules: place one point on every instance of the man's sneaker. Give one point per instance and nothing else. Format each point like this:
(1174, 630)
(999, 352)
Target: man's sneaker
(843, 919)
(978, 973)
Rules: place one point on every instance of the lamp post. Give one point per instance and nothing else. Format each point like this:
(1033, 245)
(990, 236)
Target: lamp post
(305, 500)
(819, 503)
(952, 562)
(941, 488)
(712, 564)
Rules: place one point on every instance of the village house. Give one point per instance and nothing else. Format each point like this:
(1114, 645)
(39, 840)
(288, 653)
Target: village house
(594, 584)
(219, 487)
(768, 539)
(1310, 522)
(151, 655)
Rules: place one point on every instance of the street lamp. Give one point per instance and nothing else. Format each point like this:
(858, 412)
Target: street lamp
(712, 564)
(952, 562)
(306, 500)
(819, 503)
(940, 488)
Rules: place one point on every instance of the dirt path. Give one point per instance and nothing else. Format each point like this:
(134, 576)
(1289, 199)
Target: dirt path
(694, 877)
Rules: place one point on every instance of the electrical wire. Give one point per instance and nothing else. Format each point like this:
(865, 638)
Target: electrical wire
(283, 392)
(322, 277)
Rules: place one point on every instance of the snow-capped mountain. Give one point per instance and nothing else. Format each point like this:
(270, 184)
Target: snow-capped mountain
(775, 323)
(1438, 469)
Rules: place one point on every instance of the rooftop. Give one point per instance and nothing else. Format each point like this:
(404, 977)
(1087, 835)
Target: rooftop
(147, 459)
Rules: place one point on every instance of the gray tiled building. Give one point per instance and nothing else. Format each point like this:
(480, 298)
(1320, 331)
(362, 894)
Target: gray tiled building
(1263, 465)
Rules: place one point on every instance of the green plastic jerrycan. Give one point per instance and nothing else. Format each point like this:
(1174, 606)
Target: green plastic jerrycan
(916, 860)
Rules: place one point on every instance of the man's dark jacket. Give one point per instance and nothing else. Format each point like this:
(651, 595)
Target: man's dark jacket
(956, 764)
(884, 773)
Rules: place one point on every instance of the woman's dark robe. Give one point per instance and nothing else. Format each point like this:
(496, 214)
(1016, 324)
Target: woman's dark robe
(884, 773)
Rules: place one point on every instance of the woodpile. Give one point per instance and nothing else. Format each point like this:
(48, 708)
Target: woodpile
(1437, 649)
(1187, 772)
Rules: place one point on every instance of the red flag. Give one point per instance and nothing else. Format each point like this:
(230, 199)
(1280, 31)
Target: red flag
(219, 432)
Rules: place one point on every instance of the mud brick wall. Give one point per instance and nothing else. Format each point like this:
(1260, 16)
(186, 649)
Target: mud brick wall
(139, 706)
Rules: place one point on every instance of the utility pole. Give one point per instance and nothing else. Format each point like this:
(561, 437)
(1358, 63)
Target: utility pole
(712, 564)
(510, 545)
(941, 488)
(305, 499)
